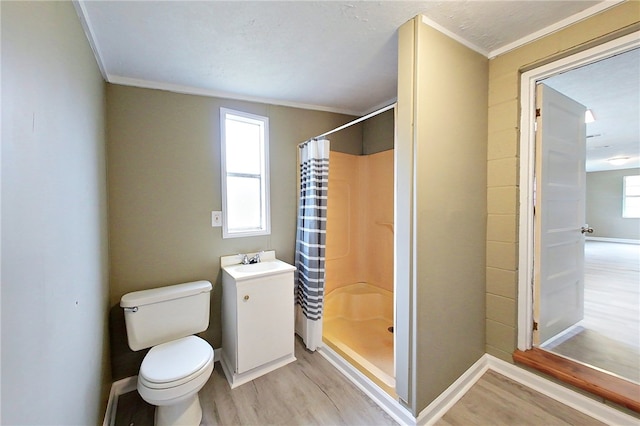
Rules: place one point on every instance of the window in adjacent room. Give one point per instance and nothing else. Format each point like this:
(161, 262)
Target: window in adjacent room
(631, 196)
(245, 174)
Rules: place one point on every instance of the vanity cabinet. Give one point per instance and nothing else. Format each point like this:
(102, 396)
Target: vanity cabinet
(257, 320)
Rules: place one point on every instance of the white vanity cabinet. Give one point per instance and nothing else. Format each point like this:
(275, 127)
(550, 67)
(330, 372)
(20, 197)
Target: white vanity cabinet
(257, 318)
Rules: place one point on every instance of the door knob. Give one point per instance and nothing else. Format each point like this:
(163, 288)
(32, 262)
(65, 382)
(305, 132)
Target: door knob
(586, 230)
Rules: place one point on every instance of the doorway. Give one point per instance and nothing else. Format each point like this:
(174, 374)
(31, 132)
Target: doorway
(584, 330)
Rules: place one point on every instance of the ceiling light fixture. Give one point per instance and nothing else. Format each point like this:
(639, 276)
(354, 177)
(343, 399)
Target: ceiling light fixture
(589, 117)
(618, 161)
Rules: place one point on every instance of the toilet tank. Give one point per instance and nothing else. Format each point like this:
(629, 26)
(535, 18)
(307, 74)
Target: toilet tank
(162, 314)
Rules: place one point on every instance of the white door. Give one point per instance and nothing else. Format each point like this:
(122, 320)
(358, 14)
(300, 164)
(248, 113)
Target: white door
(265, 320)
(559, 213)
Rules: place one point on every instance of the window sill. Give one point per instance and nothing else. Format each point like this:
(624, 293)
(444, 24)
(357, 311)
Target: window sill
(607, 386)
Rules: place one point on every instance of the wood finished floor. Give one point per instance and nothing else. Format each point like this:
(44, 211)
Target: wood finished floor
(311, 391)
(496, 400)
(609, 335)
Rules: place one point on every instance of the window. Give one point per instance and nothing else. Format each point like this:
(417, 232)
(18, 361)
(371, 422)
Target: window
(631, 196)
(245, 174)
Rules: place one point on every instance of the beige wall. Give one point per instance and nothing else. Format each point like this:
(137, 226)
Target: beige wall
(164, 181)
(54, 228)
(502, 164)
(443, 90)
(604, 205)
(378, 133)
(360, 220)
(347, 140)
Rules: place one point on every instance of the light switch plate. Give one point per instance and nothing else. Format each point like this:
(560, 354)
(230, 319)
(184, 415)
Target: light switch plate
(216, 219)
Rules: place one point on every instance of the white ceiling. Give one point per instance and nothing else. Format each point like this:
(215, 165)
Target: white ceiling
(336, 56)
(333, 55)
(611, 89)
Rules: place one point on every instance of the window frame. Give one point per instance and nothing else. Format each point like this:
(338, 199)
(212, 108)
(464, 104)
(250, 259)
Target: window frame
(265, 213)
(625, 196)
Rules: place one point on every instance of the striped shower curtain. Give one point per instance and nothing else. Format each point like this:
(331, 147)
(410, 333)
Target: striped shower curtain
(310, 240)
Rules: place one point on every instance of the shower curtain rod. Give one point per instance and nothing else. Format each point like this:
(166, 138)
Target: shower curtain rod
(356, 121)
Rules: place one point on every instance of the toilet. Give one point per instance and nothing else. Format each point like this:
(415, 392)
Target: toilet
(178, 364)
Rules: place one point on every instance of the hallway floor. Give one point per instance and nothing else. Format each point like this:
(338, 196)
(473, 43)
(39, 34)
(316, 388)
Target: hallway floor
(609, 335)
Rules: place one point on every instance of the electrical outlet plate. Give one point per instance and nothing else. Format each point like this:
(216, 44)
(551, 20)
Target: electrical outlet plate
(216, 219)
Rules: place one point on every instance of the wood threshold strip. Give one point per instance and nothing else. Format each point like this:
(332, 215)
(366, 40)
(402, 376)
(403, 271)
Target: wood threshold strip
(605, 385)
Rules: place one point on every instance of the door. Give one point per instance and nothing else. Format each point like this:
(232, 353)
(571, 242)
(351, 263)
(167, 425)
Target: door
(559, 200)
(265, 320)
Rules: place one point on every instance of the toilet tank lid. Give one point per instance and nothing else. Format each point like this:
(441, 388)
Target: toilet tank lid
(155, 295)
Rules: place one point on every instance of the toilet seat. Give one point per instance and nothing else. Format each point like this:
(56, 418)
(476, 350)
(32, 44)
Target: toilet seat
(174, 363)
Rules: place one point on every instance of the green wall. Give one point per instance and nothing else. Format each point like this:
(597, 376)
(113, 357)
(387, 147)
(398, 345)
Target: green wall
(442, 131)
(164, 180)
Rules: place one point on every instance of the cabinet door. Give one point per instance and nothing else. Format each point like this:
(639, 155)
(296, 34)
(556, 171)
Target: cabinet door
(265, 320)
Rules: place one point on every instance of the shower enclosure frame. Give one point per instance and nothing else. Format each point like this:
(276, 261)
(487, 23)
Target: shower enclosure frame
(404, 267)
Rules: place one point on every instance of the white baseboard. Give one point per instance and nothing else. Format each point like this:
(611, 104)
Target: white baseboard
(591, 407)
(118, 388)
(613, 240)
(447, 399)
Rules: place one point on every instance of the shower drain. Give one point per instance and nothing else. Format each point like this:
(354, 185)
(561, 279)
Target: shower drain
(390, 329)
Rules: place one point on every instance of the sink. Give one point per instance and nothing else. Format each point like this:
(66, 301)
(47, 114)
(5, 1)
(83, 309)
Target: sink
(257, 267)
(269, 266)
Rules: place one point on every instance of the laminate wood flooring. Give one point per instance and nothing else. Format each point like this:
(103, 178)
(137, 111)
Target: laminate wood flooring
(609, 335)
(497, 400)
(311, 391)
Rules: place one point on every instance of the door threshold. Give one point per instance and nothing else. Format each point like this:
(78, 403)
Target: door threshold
(607, 386)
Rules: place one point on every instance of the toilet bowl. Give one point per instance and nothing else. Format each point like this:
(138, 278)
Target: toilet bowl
(178, 364)
(170, 377)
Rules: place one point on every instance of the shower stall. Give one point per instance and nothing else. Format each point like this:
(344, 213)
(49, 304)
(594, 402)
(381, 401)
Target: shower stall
(358, 316)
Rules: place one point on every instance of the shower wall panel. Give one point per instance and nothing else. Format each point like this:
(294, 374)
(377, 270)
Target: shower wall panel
(343, 257)
(360, 221)
(377, 180)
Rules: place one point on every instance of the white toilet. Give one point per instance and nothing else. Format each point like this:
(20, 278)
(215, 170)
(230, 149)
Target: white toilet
(178, 364)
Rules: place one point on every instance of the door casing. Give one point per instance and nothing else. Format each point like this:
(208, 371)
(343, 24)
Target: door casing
(527, 169)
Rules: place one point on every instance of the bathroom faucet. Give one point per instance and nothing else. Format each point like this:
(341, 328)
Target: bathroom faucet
(246, 260)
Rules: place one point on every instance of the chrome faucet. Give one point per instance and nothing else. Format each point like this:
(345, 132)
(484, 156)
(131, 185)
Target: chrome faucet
(246, 260)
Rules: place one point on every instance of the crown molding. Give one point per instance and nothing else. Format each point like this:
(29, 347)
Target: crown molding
(190, 90)
(88, 31)
(454, 36)
(573, 19)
